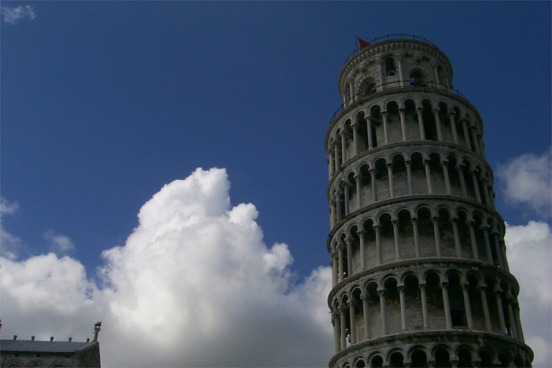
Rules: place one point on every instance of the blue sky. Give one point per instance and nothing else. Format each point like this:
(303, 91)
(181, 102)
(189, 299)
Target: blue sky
(103, 103)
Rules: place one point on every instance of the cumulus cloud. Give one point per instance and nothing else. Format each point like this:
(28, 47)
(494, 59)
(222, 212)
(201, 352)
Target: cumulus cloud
(529, 255)
(13, 15)
(8, 243)
(193, 285)
(526, 180)
(59, 244)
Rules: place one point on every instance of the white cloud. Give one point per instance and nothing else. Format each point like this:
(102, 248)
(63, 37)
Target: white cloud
(59, 244)
(527, 181)
(8, 243)
(13, 15)
(529, 256)
(194, 285)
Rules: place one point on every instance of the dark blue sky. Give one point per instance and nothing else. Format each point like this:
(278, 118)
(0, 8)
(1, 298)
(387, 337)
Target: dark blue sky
(102, 103)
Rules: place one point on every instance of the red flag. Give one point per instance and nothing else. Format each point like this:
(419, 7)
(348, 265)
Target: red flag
(361, 43)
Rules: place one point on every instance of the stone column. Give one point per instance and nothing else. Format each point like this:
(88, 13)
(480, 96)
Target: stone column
(390, 179)
(419, 111)
(466, 134)
(457, 244)
(467, 305)
(453, 127)
(343, 327)
(373, 181)
(403, 306)
(488, 201)
(346, 198)
(513, 325)
(498, 296)
(409, 176)
(334, 264)
(354, 126)
(337, 330)
(333, 216)
(358, 191)
(504, 258)
(343, 147)
(361, 245)
(403, 124)
(396, 238)
(378, 243)
(462, 180)
(515, 306)
(400, 70)
(447, 177)
(383, 309)
(338, 205)
(336, 157)
(384, 118)
(475, 186)
(349, 257)
(446, 305)
(473, 135)
(416, 236)
(438, 125)
(369, 132)
(486, 313)
(473, 241)
(437, 236)
(352, 318)
(423, 296)
(428, 176)
(330, 162)
(341, 270)
(497, 249)
(487, 244)
(365, 315)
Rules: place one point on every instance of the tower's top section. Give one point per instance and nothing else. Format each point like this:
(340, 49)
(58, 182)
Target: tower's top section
(394, 61)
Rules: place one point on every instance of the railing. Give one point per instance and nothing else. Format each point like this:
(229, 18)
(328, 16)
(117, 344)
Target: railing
(395, 36)
(409, 83)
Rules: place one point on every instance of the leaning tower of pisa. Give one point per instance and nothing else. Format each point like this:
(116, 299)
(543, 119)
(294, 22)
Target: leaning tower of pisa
(420, 275)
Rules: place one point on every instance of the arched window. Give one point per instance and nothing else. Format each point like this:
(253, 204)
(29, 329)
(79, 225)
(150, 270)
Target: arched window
(417, 78)
(367, 87)
(390, 69)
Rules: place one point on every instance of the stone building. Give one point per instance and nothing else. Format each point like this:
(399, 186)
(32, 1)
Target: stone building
(52, 354)
(420, 275)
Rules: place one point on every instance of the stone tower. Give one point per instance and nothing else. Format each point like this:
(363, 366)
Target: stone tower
(420, 276)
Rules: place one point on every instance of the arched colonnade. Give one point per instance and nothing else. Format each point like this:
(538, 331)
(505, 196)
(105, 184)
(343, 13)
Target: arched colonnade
(392, 121)
(441, 355)
(429, 299)
(402, 173)
(417, 230)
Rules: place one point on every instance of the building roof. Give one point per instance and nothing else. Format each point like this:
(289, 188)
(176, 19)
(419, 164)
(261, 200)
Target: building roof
(44, 346)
